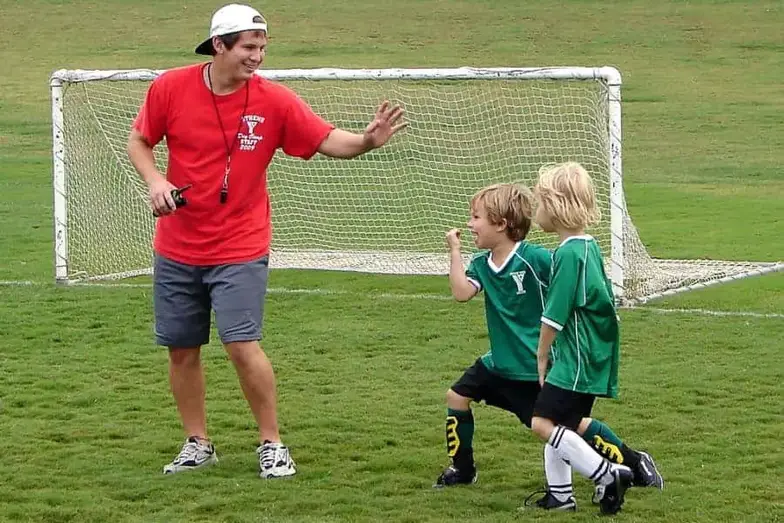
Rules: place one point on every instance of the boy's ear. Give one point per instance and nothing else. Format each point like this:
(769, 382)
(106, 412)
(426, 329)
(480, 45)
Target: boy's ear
(502, 225)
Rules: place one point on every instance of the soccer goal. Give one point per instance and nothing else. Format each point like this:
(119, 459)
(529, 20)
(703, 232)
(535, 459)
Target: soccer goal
(387, 211)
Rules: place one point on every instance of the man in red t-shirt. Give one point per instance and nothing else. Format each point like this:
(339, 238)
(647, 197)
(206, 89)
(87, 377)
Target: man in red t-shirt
(222, 125)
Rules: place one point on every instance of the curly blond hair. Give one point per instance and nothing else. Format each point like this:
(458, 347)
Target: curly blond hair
(510, 202)
(567, 194)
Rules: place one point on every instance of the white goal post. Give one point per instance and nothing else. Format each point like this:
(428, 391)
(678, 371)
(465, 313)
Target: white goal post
(387, 211)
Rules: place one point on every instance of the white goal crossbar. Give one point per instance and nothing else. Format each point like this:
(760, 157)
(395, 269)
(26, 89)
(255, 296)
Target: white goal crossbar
(386, 211)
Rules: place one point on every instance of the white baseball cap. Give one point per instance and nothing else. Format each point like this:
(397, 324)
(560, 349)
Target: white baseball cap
(232, 18)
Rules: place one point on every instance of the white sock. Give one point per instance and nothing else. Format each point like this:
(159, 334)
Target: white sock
(573, 449)
(558, 474)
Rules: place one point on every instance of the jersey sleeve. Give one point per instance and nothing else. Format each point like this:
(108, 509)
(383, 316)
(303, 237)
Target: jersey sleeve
(151, 120)
(303, 129)
(473, 275)
(562, 290)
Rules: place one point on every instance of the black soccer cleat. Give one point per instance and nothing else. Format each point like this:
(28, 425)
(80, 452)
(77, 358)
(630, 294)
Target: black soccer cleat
(611, 497)
(453, 476)
(550, 502)
(646, 474)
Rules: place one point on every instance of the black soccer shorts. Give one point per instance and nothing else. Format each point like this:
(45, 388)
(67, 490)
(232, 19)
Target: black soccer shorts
(563, 407)
(517, 397)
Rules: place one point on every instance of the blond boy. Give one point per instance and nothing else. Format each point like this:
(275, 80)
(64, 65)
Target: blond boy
(578, 350)
(512, 273)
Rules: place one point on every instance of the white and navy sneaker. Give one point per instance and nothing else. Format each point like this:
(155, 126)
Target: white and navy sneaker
(194, 455)
(646, 474)
(275, 460)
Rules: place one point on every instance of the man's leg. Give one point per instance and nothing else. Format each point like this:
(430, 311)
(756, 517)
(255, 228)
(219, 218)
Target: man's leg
(237, 292)
(182, 323)
(257, 380)
(186, 378)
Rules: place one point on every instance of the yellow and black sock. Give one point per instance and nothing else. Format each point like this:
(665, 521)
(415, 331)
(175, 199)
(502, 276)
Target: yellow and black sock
(459, 439)
(608, 444)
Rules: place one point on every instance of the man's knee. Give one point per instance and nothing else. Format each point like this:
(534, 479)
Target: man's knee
(185, 357)
(242, 353)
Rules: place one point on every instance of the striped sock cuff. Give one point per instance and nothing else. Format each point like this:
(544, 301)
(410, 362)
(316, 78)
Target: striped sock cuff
(557, 436)
(561, 489)
(561, 492)
(601, 470)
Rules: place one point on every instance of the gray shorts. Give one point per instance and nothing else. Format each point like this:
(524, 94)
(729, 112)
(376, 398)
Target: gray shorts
(183, 296)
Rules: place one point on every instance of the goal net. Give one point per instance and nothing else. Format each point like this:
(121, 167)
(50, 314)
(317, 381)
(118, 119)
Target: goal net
(386, 211)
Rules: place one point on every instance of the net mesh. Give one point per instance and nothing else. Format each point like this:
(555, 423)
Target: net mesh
(384, 212)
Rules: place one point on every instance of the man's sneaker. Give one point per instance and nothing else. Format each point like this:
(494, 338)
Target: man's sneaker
(453, 476)
(194, 454)
(610, 497)
(275, 460)
(646, 474)
(550, 502)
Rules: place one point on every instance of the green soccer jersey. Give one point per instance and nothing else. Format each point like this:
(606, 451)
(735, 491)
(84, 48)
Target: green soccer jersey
(514, 300)
(580, 305)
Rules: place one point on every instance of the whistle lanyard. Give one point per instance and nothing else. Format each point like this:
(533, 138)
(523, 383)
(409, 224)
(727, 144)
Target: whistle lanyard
(224, 194)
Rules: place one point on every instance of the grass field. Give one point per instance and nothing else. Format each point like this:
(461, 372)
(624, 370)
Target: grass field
(363, 362)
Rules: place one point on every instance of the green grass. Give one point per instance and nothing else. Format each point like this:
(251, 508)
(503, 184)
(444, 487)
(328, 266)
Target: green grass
(85, 415)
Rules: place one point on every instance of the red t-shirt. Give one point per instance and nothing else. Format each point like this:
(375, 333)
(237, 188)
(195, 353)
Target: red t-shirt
(180, 107)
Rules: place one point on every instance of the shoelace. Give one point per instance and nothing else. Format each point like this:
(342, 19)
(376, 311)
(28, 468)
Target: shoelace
(268, 455)
(189, 450)
(529, 503)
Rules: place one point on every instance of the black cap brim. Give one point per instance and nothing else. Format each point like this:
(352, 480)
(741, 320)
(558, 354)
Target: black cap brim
(206, 48)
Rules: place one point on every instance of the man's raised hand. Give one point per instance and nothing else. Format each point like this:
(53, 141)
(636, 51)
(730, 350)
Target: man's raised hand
(386, 122)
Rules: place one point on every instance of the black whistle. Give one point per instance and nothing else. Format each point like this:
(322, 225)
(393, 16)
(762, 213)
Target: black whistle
(179, 199)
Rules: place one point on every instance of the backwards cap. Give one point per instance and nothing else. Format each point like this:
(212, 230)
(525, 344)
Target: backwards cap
(232, 18)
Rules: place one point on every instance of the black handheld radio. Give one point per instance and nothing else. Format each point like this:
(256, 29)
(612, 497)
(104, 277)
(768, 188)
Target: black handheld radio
(179, 199)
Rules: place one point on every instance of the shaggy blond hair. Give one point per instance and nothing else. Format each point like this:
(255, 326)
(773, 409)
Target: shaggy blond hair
(510, 202)
(567, 194)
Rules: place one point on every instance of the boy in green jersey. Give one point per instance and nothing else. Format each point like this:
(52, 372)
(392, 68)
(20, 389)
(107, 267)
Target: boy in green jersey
(513, 274)
(578, 349)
